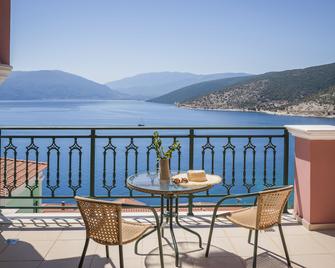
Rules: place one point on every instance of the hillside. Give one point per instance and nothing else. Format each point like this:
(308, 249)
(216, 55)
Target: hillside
(306, 91)
(197, 90)
(150, 85)
(37, 85)
(320, 104)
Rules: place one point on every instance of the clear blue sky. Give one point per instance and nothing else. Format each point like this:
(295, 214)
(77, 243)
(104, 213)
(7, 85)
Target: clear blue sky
(105, 40)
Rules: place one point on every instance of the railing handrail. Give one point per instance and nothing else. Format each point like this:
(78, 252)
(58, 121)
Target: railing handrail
(134, 127)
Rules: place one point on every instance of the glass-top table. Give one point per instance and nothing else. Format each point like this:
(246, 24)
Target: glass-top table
(150, 183)
(169, 192)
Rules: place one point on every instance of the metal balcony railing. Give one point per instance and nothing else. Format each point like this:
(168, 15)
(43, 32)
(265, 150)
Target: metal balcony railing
(96, 161)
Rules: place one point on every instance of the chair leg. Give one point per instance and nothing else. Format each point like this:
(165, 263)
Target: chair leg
(167, 209)
(84, 253)
(249, 237)
(284, 245)
(160, 247)
(107, 252)
(210, 235)
(254, 262)
(121, 256)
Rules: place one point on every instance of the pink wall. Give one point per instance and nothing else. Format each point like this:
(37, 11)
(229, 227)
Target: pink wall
(315, 180)
(302, 178)
(4, 32)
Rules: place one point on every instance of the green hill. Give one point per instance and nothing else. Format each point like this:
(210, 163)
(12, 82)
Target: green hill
(299, 83)
(276, 91)
(197, 90)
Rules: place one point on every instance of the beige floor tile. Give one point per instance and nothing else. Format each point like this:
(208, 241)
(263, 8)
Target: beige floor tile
(146, 246)
(242, 247)
(219, 260)
(20, 264)
(129, 256)
(221, 254)
(103, 262)
(301, 244)
(220, 243)
(152, 237)
(267, 243)
(38, 235)
(232, 231)
(293, 229)
(178, 232)
(314, 260)
(204, 231)
(67, 263)
(128, 251)
(64, 249)
(267, 260)
(22, 251)
(72, 235)
(9, 234)
(136, 262)
(326, 239)
(186, 252)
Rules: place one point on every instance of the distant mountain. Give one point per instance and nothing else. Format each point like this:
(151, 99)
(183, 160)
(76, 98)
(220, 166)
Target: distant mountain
(309, 91)
(37, 85)
(197, 90)
(150, 85)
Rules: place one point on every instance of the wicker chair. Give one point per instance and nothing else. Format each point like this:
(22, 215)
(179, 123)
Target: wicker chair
(105, 226)
(265, 213)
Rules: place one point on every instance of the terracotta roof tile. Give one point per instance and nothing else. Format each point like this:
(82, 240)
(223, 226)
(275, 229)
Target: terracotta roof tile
(23, 168)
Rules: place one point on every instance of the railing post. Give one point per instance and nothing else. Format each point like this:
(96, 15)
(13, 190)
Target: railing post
(92, 163)
(35, 204)
(0, 154)
(190, 166)
(286, 160)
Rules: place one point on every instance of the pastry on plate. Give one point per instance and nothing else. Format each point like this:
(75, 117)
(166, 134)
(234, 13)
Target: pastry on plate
(196, 175)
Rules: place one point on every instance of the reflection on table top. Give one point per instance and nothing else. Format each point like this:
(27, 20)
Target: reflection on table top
(150, 183)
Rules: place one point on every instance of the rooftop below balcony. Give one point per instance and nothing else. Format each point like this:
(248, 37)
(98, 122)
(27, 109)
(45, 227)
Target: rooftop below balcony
(57, 240)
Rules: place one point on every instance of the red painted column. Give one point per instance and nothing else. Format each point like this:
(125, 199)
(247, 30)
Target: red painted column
(5, 32)
(314, 183)
(5, 67)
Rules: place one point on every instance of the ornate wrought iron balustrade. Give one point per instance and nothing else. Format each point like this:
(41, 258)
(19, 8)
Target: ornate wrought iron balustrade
(96, 161)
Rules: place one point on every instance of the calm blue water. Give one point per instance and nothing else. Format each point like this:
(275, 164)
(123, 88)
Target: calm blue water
(113, 113)
(133, 113)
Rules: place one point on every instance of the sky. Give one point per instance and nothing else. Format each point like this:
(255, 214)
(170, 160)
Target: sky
(105, 40)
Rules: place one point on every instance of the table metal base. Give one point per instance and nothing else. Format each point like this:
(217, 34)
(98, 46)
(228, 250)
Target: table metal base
(168, 217)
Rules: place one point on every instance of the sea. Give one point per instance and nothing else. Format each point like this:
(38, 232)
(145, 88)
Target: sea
(110, 175)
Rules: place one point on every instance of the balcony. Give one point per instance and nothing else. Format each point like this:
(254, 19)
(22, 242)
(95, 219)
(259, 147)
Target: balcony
(37, 229)
(57, 241)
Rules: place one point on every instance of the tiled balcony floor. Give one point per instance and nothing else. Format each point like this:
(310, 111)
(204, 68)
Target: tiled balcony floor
(59, 242)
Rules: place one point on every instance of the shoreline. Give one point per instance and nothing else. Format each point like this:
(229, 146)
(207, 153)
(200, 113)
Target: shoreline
(251, 111)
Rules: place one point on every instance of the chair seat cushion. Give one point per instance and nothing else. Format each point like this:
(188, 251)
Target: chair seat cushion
(133, 230)
(130, 232)
(245, 217)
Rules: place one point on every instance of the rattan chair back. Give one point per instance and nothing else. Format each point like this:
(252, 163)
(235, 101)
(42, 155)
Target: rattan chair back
(102, 220)
(270, 206)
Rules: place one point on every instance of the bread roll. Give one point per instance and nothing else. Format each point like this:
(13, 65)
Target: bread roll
(196, 175)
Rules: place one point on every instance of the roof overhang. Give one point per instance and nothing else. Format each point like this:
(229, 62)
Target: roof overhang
(5, 70)
(5, 67)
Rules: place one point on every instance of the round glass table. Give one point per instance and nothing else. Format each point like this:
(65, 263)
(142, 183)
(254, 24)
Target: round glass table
(169, 193)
